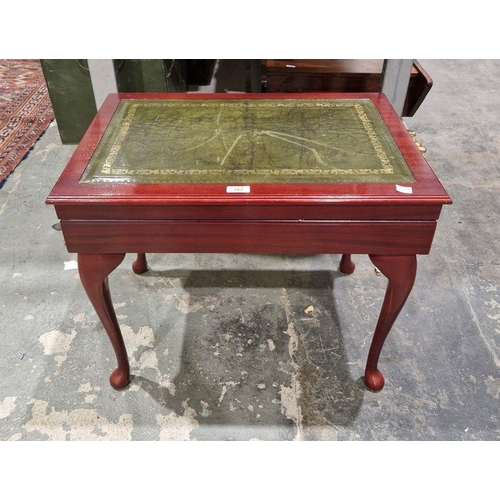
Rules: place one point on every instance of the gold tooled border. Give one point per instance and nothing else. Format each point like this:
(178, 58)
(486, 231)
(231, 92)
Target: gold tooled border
(115, 149)
(108, 170)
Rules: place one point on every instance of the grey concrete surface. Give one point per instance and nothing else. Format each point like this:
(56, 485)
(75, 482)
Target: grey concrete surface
(221, 346)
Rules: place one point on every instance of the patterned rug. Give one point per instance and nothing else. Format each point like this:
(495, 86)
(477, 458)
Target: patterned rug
(25, 110)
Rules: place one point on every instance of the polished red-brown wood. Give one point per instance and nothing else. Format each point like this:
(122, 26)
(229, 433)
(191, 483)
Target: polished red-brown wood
(94, 270)
(140, 265)
(274, 237)
(264, 199)
(346, 265)
(103, 222)
(400, 271)
(332, 209)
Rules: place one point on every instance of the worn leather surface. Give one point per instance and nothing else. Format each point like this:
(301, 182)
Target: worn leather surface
(247, 141)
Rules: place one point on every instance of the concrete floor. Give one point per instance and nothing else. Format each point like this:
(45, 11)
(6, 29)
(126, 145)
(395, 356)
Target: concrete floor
(221, 347)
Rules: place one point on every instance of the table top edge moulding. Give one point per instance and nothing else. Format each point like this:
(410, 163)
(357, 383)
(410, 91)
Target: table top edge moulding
(70, 189)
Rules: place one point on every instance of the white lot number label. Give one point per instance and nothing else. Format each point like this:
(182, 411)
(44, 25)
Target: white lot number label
(237, 189)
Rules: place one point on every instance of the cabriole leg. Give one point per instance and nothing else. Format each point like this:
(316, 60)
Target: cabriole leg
(346, 266)
(140, 265)
(400, 271)
(94, 270)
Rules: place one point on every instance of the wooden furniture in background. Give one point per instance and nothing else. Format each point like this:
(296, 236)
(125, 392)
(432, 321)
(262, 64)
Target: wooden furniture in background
(339, 75)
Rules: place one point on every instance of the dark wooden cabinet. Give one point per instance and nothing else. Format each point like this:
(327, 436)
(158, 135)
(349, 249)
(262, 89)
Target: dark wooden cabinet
(339, 75)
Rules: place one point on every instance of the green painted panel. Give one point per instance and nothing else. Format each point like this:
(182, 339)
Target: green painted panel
(247, 141)
(72, 96)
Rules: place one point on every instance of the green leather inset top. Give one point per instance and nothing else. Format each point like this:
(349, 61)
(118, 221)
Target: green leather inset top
(247, 141)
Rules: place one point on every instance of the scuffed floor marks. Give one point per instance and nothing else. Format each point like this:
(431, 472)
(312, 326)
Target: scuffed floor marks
(493, 386)
(258, 360)
(290, 406)
(144, 337)
(322, 395)
(7, 406)
(142, 355)
(230, 372)
(178, 427)
(88, 390)
(56, 343)
(77, 425)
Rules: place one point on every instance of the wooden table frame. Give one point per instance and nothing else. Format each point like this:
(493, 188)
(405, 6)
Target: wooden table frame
(102, 222)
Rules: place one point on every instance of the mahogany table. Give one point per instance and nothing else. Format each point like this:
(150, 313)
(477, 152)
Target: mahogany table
(248, 173)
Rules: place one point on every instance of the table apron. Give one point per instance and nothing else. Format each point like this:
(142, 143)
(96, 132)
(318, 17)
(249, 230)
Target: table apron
(263, 237)
(329, 211)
